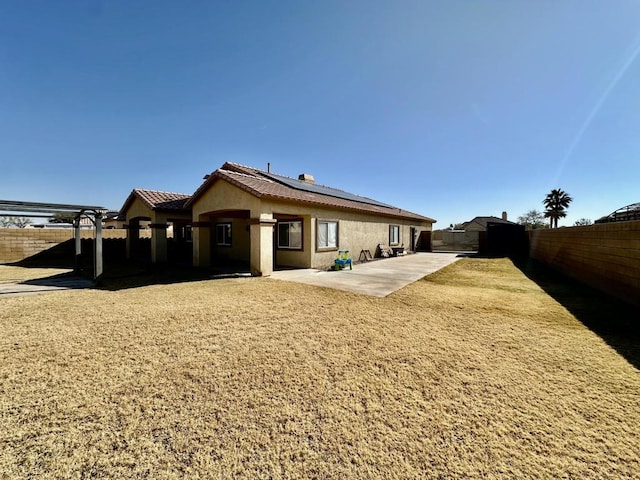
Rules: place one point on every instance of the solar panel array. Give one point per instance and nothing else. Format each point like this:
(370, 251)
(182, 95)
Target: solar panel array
(322, 190)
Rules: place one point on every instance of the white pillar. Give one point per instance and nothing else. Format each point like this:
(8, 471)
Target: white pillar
(98, 247)
(78, 244)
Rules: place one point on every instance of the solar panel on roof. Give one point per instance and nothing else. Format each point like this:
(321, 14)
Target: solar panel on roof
(322, 190)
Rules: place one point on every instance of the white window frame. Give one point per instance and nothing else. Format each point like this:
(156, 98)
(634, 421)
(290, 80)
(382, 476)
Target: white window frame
(392, 229)
(326, 237)
(289, 246)
(223, 226)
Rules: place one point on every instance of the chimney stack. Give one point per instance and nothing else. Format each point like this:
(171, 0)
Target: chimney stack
(504, 216)
(306, 178)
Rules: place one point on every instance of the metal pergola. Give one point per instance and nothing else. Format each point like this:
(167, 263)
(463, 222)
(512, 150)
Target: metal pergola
(624, 214)
(47, 210)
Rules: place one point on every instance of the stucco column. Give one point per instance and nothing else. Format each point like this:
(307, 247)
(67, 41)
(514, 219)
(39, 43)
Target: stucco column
(133, 236)
(158, 242)
(201, 235)
(262, 244)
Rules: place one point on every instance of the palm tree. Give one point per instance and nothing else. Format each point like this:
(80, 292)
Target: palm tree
(555, 203)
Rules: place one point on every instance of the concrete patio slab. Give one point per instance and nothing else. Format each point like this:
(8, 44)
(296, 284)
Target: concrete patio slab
(378, 278)
(44, 285)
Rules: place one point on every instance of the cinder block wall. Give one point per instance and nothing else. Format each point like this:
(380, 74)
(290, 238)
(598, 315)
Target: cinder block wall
(605, 256)
(19, 243)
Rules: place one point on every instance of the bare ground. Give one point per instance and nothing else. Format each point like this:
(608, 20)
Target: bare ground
(474, 372)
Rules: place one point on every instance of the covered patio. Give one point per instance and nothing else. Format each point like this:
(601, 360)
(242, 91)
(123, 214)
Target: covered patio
(165, 215)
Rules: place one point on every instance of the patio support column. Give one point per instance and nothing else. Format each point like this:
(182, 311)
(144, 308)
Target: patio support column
(158, 242)
(133, 236)
(262, 245)
(201, 235)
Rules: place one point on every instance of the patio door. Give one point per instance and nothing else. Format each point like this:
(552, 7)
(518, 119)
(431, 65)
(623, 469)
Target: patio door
(412, 239)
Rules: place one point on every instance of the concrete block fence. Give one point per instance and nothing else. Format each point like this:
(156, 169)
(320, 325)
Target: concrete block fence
(605, 256)
(17, 244)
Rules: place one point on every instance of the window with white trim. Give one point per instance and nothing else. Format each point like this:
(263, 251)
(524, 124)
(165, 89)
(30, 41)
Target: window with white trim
(394, 234)
(290, 235)
(223, 234)
(327, 234)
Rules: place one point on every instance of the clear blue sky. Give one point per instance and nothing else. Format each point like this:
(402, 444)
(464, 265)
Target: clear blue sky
(450, 109)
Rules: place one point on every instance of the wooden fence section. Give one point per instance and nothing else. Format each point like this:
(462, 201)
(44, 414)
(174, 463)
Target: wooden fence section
(605, 256)
(16, 244)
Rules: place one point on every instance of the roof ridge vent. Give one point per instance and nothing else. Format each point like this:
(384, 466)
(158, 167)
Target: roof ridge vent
(307, 178)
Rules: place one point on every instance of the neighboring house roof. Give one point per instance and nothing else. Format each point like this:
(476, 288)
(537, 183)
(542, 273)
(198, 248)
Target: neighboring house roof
(263, 184)
(158, 201)
(483, 221)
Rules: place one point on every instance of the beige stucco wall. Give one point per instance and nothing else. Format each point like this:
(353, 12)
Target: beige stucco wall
(224, 196)
(138, 209)
(356, 231)
(240, 240)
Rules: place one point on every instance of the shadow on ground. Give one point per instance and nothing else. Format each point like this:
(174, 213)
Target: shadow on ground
(124, 276)
(615, 321)
(62, 280)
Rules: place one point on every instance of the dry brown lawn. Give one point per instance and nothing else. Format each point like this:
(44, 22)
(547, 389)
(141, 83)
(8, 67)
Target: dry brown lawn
(474, 372)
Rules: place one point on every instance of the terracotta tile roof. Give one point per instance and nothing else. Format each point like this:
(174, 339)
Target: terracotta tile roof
(157, 200)
(265, 185)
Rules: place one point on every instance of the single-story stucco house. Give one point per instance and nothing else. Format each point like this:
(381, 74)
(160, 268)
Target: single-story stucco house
(266, 220)
(246, 216)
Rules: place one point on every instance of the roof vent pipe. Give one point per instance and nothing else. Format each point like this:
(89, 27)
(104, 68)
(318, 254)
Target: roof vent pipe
(306, 178)
(268, 167)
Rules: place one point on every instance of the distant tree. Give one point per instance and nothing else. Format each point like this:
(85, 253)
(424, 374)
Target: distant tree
(19, 222)
(532, 220)
(555, 203)
(62, 218)
(583, 222)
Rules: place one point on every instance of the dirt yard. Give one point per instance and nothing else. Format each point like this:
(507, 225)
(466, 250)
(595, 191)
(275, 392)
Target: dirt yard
(473, 372)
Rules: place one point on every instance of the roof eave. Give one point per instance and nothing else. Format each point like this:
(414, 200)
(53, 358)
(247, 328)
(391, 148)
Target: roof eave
(127, 203)
(407, 216)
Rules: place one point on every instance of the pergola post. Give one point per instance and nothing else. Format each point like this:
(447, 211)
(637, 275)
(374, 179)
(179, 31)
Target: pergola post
(98, 247)
(77, 264)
